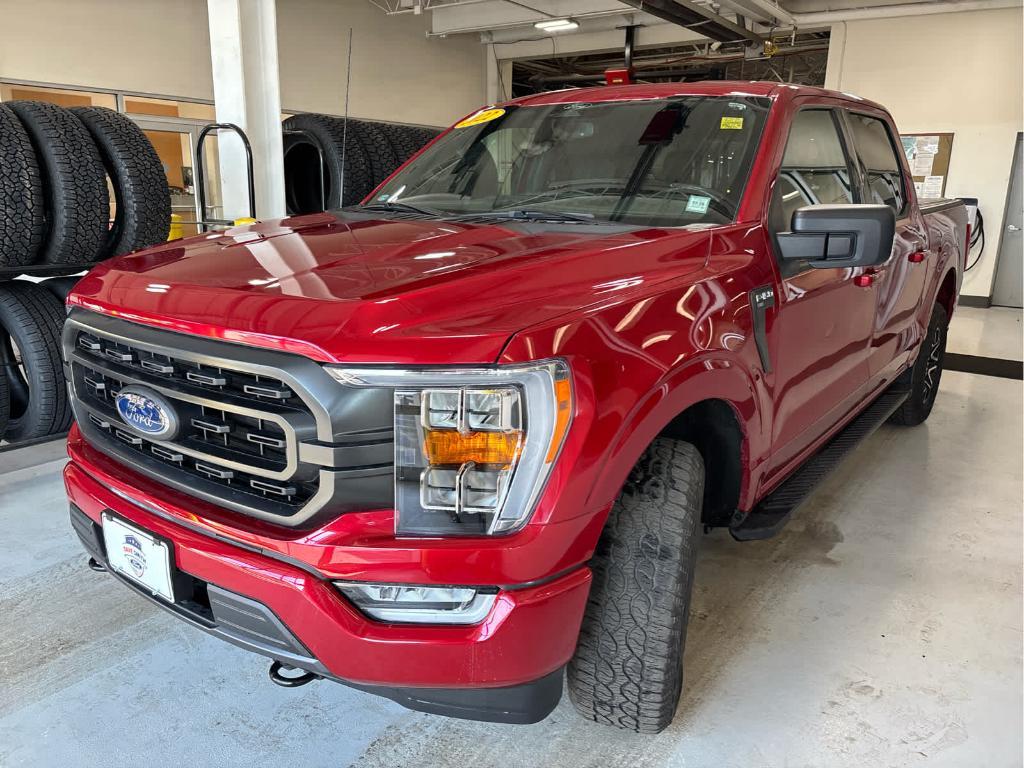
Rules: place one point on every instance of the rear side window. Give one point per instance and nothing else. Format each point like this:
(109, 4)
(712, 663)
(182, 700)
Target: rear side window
(814, 168)
(878, 154)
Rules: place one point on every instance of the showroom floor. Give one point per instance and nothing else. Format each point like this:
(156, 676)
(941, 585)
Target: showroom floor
(882, 627)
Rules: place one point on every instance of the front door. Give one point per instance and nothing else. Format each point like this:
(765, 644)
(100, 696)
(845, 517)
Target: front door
(824, 324)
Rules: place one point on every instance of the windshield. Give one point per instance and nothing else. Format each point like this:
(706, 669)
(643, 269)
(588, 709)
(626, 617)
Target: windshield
(664, 162)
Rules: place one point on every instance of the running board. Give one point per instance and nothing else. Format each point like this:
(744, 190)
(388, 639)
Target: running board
(774, 510)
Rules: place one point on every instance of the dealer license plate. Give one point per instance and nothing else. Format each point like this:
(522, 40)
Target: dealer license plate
(139, 556)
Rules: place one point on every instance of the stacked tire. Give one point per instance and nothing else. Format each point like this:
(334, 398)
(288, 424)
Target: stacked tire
(55, 216)
(357, 155)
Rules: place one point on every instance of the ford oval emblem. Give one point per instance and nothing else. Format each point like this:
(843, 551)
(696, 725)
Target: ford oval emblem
(147, 413)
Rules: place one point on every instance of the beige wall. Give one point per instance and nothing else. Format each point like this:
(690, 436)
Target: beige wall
(956, 72)
(162, 46)
(142, 45)
(398, 74)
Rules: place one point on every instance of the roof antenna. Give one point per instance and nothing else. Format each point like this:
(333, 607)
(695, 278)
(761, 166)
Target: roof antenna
(344, 122)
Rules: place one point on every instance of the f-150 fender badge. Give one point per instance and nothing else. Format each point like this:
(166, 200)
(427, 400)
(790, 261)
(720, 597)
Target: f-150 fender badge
(761, 298)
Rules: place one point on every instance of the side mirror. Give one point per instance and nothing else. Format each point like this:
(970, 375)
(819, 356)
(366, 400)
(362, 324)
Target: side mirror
(830, 236)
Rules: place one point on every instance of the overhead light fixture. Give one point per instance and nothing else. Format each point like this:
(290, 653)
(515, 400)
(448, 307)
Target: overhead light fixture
(557, 25)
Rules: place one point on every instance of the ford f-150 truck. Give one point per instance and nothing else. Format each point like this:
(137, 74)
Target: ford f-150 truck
(459, 443)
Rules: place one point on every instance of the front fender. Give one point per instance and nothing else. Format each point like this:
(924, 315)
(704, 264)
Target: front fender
(712, 376)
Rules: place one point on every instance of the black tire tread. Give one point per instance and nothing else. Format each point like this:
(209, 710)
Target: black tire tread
(378, 148)
(143, 215)
(331, 135)
(34, 317)
(74, 183)
(627, 670)
(22, 208)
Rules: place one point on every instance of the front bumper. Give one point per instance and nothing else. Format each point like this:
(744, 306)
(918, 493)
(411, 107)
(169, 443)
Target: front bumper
(507, 668)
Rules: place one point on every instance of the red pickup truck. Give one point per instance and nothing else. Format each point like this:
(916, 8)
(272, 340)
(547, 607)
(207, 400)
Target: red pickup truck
(460, 442)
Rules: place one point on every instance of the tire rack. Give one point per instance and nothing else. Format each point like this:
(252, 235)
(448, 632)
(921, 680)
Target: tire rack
(61, 270)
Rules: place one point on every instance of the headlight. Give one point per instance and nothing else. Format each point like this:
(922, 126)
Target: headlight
(419, 604)
(473, 447)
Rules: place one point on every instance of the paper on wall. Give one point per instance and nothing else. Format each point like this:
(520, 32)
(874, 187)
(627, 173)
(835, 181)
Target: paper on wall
(932, 186)
(922, 163)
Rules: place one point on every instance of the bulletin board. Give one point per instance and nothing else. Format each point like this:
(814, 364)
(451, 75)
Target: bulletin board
(928, 155)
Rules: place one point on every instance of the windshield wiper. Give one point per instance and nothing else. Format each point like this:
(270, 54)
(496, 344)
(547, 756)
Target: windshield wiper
(528, 214)
(395, 207)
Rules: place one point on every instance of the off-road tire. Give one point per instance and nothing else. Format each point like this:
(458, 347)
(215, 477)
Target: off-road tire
(74, 183)
(33, 317)
(405, 140)
(628, 667)
(142, 215)
(378, 148)
(22, 208)
(301, 174)
(923, 377)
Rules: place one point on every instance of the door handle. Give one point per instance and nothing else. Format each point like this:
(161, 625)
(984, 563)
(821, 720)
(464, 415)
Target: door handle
(916, 257)
(867, 278)
(864, 281)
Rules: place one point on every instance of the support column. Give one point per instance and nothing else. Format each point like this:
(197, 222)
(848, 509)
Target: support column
(499, 77)
(246, 91)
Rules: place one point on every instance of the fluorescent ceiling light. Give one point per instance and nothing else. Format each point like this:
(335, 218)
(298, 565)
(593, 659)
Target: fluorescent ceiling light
(557, 25)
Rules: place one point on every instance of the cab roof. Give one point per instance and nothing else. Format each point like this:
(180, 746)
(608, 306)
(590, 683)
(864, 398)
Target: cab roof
(770, 90)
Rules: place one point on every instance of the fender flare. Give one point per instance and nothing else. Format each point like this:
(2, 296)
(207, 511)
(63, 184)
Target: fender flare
(711, 376)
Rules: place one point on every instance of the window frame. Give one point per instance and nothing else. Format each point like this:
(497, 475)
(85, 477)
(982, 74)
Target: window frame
(863, 170)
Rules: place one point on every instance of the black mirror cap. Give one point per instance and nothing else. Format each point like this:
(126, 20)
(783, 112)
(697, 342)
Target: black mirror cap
(834, 236)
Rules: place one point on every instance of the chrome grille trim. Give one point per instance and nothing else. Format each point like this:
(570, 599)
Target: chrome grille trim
(299, 448)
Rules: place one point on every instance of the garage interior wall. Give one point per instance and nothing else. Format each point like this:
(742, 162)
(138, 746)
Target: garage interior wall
(952, 72)
(398, 74)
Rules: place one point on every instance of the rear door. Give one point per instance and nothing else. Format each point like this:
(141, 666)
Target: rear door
(824, 324)
(898, 284)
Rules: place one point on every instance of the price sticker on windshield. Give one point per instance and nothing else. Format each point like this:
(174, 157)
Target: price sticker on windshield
(483, 116)
(731, 124)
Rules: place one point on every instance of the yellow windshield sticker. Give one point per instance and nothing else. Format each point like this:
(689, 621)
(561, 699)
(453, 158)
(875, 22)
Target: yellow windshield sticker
(483, 116)
(732, 124)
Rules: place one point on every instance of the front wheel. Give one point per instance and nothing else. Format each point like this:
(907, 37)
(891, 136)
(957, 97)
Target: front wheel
(923, 378)
(628, 667)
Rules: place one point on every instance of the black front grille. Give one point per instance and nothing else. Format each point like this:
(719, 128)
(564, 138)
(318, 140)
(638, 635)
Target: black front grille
(249, 439)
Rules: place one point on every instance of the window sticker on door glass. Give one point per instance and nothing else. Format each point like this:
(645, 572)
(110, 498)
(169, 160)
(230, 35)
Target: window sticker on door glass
(697, 204)
(731, 124)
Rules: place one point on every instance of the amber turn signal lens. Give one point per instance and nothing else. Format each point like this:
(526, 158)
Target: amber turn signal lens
(452, 447)
(563, 405)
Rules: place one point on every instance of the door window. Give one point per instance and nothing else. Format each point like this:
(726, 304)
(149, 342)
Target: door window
(878, 154)
(815, 170)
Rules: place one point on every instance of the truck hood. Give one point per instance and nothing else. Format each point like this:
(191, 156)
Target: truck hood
(352, 288)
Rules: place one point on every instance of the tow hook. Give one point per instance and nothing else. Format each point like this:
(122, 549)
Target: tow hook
(96, 565)
(290, 681)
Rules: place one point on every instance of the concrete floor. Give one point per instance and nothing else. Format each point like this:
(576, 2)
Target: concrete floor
(881, 628)
(993, 332)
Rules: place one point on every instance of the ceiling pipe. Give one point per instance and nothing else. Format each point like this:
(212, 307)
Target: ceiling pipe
(803, 20)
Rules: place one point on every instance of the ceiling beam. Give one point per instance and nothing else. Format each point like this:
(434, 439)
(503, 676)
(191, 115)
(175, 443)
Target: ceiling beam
(696, 17)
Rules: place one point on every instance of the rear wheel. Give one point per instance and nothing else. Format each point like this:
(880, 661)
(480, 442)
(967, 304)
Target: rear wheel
(31, 319)
(628, 667)
(923, 377)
